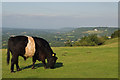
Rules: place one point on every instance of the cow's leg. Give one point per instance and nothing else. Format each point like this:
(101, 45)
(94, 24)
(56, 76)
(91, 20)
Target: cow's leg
(34, 60)
(44, 63)
(17, 66)
(12, 65)
(13, 61)
(47, 63)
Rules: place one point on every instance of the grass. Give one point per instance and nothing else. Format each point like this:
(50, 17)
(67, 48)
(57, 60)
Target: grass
(73, 62)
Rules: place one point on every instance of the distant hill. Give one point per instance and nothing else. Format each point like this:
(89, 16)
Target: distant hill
(57, 37)
(93, 30)
(85, 31)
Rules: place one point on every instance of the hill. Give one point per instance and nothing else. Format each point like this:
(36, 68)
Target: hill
(85, 31)
(112, 41)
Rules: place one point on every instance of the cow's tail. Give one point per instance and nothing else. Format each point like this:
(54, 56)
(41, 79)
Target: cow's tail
(8, 56)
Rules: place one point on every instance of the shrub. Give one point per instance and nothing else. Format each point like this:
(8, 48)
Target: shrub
(115, 34)
(91, 40)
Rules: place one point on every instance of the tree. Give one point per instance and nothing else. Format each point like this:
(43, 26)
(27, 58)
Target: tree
(115, 34)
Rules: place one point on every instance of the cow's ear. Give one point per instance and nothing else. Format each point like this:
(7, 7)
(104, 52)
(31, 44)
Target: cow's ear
(55, 53)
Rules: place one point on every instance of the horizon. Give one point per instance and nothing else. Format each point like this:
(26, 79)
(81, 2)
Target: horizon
(61, 28)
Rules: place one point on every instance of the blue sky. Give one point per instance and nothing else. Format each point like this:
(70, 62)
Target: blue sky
(47, 15)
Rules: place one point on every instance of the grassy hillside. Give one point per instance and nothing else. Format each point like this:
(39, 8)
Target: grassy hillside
(112, 42)
(73, 62)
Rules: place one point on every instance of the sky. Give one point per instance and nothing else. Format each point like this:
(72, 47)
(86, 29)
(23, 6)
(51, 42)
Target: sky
(0, 17)
(54, 15)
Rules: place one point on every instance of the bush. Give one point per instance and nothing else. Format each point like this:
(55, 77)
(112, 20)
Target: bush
(115, 34)
(91, 40)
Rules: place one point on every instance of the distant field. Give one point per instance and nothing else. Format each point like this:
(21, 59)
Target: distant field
(93, 32)
(73, 62)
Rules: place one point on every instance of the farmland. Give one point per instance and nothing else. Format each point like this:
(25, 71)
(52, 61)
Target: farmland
(73, 62)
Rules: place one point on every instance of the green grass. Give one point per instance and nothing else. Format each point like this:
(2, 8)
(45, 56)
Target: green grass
(78, 62)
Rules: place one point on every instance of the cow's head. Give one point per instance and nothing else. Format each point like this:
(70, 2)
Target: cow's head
(52, 61)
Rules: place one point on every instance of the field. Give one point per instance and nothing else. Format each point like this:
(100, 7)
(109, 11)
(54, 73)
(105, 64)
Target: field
(73, 62)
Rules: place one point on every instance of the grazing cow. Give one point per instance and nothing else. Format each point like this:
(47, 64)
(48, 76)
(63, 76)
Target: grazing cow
(27, 46)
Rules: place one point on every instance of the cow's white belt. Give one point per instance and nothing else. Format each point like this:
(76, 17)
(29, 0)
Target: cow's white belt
(30, 48)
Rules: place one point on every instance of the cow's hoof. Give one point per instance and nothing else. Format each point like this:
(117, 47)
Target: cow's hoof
(12, 71)
(19, 69)
(46, 67)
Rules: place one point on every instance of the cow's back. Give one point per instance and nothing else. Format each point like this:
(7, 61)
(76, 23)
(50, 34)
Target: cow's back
(17, 43)
(41, 42)
(43, 46)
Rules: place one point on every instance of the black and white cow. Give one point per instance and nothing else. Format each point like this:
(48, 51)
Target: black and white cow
(27, 46)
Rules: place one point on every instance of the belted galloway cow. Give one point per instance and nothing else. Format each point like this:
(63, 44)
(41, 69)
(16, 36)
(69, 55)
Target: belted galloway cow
(26, 46)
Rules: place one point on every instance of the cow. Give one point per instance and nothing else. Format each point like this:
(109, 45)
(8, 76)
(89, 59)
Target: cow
(27, 46)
